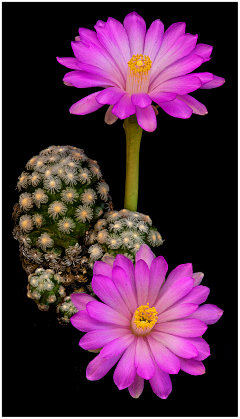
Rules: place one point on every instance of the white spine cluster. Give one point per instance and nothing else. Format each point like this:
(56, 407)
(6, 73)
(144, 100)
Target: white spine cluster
(89, 197)
(113, 215)
(66, 225)
(69, 195)
(142, 226)
(85, 175)
(95, 169)
(154, 238)
(102, 236)
(38, 220)
(25, 201)
(52, 184)
(103, 190)
(44, 241)
(31, 162)
(70, 177)
(35, 179)
(84, 213)
(116, 227)
(114, 242)
(100, 224)
(57, 208)
(23, 181)
(95, 251)
(26, 223)
(39, 197)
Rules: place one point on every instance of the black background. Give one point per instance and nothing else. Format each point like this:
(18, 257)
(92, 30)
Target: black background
(188, 186)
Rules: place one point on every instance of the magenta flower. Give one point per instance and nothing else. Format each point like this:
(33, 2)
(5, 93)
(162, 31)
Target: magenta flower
(150, 326)
(137, 66)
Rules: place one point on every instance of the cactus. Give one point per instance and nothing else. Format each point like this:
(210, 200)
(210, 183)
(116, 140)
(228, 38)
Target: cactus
(62, 195)
(121, 232)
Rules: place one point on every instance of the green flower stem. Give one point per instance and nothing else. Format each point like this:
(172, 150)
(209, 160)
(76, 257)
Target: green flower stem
(133, 138)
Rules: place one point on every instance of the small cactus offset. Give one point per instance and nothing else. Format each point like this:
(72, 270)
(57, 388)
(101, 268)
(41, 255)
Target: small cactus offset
(121, 232)
(45, 288)
(62, 195)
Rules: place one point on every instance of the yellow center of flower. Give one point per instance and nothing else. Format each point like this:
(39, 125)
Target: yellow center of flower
(24, 223)
(44, 240)
(144, 319)
(84, 213)
(52, 183)
(138, 75)
(69, 195)
(66, 225)
(57, 208)
(38, 219)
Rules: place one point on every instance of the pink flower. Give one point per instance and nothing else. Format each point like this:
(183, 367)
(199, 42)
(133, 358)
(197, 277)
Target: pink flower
(150, 326)
(137, 66)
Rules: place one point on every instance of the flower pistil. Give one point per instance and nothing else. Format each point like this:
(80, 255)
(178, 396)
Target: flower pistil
(138, 75)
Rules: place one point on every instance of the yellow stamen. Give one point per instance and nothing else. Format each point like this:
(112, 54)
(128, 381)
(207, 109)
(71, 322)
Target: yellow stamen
(145, 316)
(138, 75)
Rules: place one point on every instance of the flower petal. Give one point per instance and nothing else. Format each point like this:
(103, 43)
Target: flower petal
(196, 106)
(128, 267)
(197, 276)
(202, 346)
(153, 39)
(204, 77)
(69, 62)
(135, 27)
(142, 282)
(184, 327)
(107, 39)
(180, 85)
(161, 383)
(177, 69)
(216, 82)
(169, 38)
(110, 118)
(164, 358)
(178, 290)
(105, 289)
(81, 299)
(141, 99)
(124, 286)
(99, 338)
(177, 108)
(181, 271)
(86, 105)
(145, 254)
(177, 312)
(125, 371)
(102, 268)
(136, 388)
(179, 346)
(98, 71)
(82, 79)
(191, 366)
(208, 313)
(124, 107)
(103, 313)
(118, 345)
(160, 97)
(197, 295)
(83, 322)
(98, 57)
(143, 360)
(120, 36)
(203, 50)
(146, 118)
(157, 274)
(99, 367)
(110, 96)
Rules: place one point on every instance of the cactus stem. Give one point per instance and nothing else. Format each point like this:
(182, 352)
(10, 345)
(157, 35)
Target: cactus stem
(133, 139)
